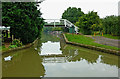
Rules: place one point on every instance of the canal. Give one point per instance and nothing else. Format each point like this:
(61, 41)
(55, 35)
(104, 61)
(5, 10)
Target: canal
(51, 57)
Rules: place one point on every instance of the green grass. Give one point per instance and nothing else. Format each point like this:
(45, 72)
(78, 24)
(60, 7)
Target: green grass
(3, 48)
(86, 40)
(110, 36)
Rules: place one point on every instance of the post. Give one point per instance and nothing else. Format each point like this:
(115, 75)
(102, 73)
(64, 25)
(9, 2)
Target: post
(12, 37)
(65, 22)
(94, 33)
(6, 33)
(102, 33)
(54, 23)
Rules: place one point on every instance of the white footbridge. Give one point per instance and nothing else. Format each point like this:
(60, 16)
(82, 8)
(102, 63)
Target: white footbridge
(60, 23)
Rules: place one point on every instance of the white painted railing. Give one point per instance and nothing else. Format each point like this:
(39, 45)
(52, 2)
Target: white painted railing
(66, 23)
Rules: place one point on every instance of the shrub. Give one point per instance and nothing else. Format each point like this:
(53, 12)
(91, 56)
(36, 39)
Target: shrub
(13, 46)
(17, 42)
(88, 23)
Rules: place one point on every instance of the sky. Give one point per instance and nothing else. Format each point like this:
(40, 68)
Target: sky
(53, 9)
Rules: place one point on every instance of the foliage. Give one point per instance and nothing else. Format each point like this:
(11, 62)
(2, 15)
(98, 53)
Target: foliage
(17, 42)
(3, 48)
(45, 29)
(89, 22)
(110, 25)
(72, 14)
(110, 36)
(51, 36)
(24, 19)
(0, 48)
(86, 40)
(56, 23)
(0, 41)
(13, 46)
(57, 29)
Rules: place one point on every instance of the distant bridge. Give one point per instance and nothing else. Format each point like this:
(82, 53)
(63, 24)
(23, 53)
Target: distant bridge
(54, 58)
(61, 23)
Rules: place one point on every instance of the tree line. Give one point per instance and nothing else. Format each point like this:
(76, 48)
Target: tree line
(24, 20)
(91, 22)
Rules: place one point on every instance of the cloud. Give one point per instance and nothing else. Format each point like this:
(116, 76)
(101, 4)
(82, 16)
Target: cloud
(53, 9)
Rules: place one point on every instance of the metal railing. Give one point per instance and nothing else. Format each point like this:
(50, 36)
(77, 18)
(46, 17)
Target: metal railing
(62, 22)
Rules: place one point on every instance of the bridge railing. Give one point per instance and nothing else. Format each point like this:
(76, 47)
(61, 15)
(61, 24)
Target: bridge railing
(62, 22)
(54, 22)
(69, 24)
(59, 22)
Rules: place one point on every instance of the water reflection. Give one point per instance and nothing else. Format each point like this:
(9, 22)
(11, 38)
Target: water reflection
(0, 66)
(76, 53)
(54, 60)
(50, 48)
(50, 36)
(91, 56)
(68, 61)
(25, 63)
(79, 69)
(80, 62)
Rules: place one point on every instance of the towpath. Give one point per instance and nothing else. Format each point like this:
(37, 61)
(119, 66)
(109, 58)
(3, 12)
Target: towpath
(106, 41)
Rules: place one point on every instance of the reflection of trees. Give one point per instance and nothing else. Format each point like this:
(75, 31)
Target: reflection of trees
(110, 59)
(62, 42)
(74, 53)
(16, 58)
(77, 55)
(38, 45)
(50, 36)
(27, 64)
(89, 56)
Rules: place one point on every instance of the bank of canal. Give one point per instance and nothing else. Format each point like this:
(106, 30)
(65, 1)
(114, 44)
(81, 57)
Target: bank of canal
(66, 60)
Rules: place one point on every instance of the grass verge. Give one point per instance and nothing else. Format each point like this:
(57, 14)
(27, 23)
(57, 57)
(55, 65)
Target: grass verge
(87, 41)
(110, 36)
(3, 48)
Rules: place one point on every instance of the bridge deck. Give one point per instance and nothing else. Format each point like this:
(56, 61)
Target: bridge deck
(53, 55)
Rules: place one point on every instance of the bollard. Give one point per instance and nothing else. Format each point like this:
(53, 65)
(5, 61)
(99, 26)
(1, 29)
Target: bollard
(102, 33)
(94, 34)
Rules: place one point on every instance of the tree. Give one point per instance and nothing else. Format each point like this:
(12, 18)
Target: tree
(72, 14)
(111, 25)
(88, 23)
(24, 19)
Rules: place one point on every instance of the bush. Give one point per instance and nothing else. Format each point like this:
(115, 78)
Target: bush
(13, 46)
(17, 42)
(88, 23)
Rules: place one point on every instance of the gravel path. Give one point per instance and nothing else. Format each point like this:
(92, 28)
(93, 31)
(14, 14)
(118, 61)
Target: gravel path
(106, 41)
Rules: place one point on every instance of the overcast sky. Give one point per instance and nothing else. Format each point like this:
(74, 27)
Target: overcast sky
(53, 9)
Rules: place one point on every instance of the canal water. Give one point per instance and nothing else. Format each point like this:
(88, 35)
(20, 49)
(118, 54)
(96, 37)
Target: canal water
(51, 57)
